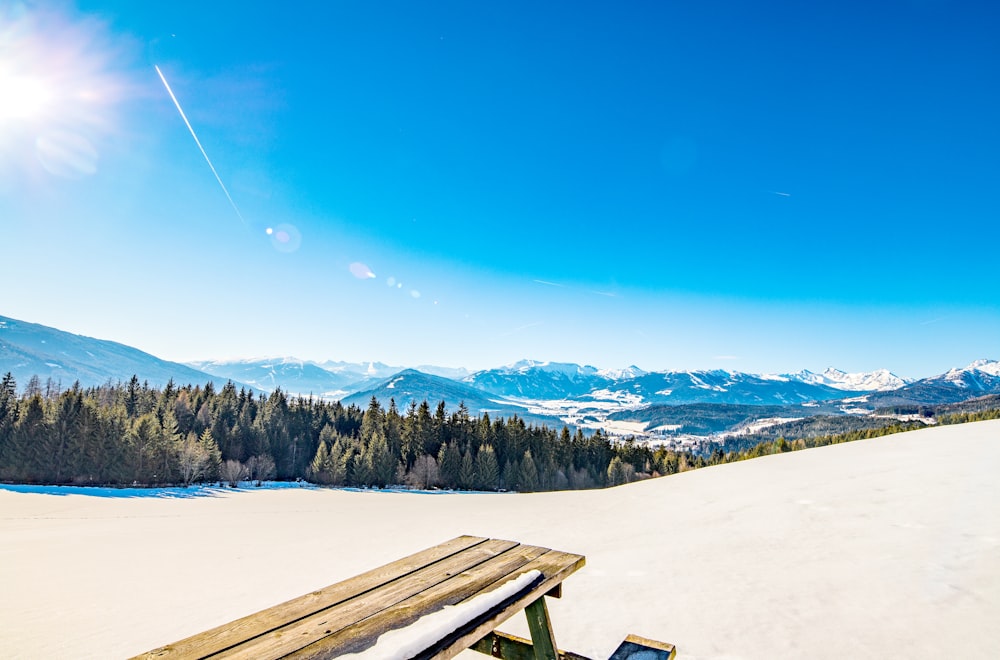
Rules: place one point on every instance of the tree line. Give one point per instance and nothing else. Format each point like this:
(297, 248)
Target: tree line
(134, 434)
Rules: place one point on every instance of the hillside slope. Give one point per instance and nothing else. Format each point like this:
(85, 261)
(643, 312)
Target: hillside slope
(887, 548)
(30, 349)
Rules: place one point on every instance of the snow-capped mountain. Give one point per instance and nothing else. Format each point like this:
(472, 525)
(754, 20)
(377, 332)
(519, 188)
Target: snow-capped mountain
(979, 378)
(290, 374)
(359, 370)
(568, 391)
(412, 386)
(631, 371)
(529, 379)
(720, 386)
(871, 381)
(989, 367)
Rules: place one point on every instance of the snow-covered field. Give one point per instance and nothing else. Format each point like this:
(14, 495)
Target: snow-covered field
(887, 548)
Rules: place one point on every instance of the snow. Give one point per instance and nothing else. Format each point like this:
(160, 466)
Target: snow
(392, 384)
(199, 490)
(627, 373)
(589, 411)
(759, 425)
(881, 380)
(565, 368)
(991, 367)
(405, 643)
(883, 548)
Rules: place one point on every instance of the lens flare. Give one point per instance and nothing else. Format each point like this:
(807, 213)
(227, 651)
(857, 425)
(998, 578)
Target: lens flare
(58, 91)
(361, 271)
(66, 154)
(285, 238)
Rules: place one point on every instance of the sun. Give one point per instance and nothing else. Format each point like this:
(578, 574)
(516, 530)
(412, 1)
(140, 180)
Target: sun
(58, 91)
(24, 98)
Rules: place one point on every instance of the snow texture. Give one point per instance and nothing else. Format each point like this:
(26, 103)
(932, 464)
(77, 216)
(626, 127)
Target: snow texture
(882, 548)
(404, 643)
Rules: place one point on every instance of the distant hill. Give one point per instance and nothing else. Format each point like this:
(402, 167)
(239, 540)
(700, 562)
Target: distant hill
(700, 418)
(30, 349)
(411, 385)
(292, 376)
(550, 393)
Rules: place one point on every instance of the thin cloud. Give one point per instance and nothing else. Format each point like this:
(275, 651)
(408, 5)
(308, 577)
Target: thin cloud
(547, 283)
(782, 194)
(609, 294)
(940, 318)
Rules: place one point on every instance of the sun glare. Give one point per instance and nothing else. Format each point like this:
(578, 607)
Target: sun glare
(23, 98)
(57, 92)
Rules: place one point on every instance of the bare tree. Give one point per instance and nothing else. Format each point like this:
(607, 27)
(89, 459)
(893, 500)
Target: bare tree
(260, 468)
(192, 460)
(424, 473)
(233, 472)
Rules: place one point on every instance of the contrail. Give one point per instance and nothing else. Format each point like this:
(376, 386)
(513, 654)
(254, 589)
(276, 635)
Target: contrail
(198, 142)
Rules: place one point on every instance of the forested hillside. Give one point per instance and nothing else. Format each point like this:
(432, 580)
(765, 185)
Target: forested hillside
(135, 434)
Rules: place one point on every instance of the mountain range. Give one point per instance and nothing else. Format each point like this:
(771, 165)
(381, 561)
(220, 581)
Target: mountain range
(552, 393)
(30, 349)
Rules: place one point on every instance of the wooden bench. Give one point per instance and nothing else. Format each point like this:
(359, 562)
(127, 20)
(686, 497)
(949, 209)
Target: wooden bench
(496, 578)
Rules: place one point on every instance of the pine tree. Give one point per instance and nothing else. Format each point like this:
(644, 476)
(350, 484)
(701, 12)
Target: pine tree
(528, 474)
(372, 421)
(320, 466)
(466, 472)
(8, 417)
(338, 463)
(30, 435)
(487, 469)
(213, 454)
(449, 463)
(616, 472)
(381, 464)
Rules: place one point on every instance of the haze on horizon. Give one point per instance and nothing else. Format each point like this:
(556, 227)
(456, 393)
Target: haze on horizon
(724, 186)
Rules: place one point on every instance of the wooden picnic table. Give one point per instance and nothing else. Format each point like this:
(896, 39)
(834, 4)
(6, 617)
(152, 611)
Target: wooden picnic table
(350, 616)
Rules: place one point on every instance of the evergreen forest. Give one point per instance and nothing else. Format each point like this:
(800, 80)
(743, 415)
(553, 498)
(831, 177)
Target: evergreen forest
(134, 435)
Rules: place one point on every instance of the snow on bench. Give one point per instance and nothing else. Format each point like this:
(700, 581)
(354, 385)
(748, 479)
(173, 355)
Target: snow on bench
(433, 604)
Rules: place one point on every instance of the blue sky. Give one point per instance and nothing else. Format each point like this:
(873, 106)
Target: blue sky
(672, 185)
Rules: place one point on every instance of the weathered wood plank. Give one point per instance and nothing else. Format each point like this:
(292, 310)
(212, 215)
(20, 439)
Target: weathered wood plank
(554, 565)
(349, 618)
(511, 647)
(225, 636)
(457, 588)
(542, 637)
